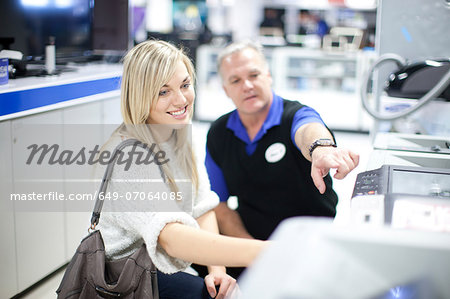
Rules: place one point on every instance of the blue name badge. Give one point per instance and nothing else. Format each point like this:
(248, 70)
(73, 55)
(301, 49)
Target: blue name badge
(3, 71)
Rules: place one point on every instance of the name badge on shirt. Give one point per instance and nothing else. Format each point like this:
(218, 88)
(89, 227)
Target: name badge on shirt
(275, 152)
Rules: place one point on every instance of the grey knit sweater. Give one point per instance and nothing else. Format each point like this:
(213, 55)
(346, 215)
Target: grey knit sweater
(144, 204)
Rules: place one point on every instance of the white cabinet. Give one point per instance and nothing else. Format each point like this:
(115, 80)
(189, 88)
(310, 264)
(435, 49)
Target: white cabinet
(8, 270)
(111, 111)
(37, 241)
(39, 235)
(90, 117)
(327, 81)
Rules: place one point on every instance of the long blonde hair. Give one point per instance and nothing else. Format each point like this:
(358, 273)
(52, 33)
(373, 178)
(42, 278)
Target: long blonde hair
(146, 68)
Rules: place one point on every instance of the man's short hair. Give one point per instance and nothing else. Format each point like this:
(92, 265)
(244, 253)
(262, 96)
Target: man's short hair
(238, 47)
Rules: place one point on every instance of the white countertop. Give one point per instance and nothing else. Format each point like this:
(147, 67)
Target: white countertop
(82, 84)
(89, 72)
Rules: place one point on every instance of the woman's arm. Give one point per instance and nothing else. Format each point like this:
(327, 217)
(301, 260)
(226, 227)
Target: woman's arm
(208, 222)
(207, 248)
(217, 274)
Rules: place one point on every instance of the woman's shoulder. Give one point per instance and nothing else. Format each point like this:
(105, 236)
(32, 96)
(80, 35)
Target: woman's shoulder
(113, 142)
(131, 160)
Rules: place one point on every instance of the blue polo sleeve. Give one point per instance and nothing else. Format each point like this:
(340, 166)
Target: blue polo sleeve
(216, 178)
(303, 116)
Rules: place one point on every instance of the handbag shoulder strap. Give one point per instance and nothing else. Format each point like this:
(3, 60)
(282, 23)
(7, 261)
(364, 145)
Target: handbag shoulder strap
(107, 176)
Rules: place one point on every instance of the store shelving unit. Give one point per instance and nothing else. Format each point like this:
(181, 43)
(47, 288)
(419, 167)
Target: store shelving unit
(327, 81)
(326, 73)
(299, 69)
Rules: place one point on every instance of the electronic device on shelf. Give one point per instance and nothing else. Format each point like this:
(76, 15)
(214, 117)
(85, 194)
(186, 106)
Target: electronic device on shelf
(416, 79)
(403, 197)
(82, 31)
(31, 23)
(422, 181)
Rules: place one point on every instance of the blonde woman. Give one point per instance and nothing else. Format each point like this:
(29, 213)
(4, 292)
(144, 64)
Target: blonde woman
(177, 224)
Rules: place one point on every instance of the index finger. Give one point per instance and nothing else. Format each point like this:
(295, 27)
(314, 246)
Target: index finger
(354, 157)
(223, 289)
(210, 286)
(317, 177)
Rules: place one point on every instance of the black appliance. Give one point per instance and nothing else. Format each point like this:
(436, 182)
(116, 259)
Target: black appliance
(416, 79)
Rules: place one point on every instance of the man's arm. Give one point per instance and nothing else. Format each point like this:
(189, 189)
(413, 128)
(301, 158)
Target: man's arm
(324, 157)
(230, 223)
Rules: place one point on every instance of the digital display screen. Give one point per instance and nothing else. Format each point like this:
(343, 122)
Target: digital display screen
(189, 15)
(31, 23)
(420, 183)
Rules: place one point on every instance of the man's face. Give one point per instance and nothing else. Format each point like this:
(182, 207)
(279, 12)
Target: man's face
(247, 81)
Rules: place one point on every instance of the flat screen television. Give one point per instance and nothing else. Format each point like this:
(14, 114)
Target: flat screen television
(82, 29)
(32, 22)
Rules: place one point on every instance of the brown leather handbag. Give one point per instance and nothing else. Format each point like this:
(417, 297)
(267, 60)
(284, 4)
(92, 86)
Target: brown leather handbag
(90, 275)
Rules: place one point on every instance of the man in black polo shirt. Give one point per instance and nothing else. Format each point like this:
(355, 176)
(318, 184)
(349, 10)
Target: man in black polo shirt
(274, 155)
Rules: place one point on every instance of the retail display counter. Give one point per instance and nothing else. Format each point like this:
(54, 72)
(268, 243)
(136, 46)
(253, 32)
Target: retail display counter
(31, 95)
(35, 244)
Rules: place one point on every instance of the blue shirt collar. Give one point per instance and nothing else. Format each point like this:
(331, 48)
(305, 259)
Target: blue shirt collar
(273, 119)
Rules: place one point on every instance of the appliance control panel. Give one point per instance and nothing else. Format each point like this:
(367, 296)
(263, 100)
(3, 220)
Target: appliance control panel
(371, 182)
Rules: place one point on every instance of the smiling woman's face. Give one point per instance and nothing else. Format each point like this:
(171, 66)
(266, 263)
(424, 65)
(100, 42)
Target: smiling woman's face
(175, 101)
